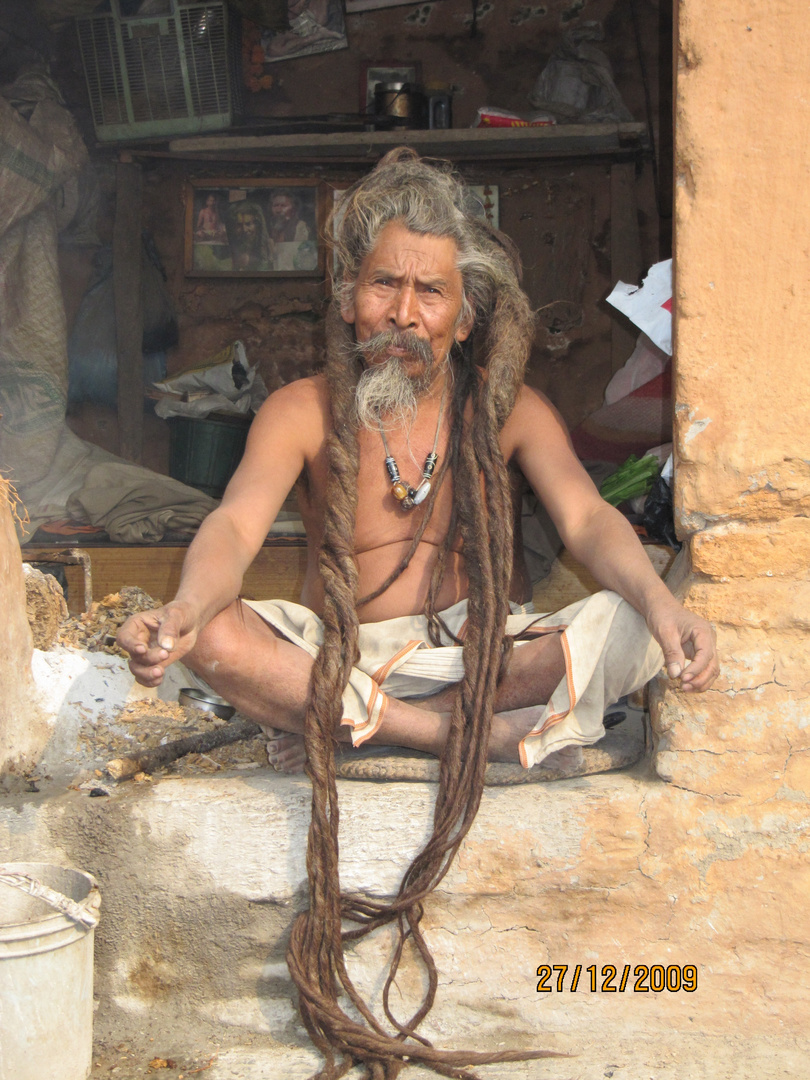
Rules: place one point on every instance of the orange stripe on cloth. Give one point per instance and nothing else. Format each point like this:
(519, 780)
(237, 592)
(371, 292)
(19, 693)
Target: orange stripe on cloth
(382, 673)
(380, 716)
(555, 718)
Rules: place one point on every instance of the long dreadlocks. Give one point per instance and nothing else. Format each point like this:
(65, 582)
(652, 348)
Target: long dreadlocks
(426, 198)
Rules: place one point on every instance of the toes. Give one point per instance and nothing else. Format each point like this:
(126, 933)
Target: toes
(286, 753)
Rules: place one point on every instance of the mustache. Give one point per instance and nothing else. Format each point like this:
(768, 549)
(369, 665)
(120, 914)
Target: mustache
(387, 340)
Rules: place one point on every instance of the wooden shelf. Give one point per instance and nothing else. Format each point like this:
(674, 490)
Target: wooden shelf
(614, 141)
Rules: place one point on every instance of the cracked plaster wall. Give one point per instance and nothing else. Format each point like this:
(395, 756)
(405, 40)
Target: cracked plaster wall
(742, 255)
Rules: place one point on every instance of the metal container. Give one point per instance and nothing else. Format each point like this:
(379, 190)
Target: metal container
(400, 103)
(198, 699)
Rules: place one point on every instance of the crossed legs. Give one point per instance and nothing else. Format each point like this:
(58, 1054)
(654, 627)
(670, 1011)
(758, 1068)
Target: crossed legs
(267, 678)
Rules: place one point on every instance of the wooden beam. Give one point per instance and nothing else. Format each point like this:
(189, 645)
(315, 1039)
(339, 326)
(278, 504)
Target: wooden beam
(625, 255)
(128, 314)
(460, 144)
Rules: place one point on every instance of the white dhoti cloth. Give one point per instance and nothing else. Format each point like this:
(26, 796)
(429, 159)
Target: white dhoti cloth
(609, 652)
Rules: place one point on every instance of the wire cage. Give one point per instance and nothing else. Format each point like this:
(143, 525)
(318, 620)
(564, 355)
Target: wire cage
(157, 74)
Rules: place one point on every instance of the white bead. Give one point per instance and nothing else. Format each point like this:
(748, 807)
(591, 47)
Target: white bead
(421, 492)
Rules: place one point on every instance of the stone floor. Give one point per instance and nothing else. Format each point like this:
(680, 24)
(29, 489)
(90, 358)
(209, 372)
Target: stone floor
(620, 1056)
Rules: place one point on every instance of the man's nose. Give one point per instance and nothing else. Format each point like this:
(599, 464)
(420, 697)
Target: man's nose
(404, 314)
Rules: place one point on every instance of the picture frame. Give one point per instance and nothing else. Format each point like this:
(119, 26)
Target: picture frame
(382, 72)
(268, 228)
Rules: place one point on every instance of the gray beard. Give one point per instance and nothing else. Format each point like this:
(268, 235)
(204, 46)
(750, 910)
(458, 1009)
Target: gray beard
(387, 396)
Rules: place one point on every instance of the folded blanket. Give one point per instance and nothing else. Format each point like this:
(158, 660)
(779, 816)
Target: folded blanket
(136, 506)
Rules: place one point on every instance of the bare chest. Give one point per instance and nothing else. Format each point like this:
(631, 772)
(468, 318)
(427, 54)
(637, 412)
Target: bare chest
(382, 518)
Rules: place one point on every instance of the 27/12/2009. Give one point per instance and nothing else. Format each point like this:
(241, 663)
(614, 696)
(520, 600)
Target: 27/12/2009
(646, 978)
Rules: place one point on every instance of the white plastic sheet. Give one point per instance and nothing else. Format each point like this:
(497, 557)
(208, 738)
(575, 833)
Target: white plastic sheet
(649, 307)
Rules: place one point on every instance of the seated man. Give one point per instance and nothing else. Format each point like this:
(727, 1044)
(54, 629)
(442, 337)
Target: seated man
(420, 278)
(406, 636)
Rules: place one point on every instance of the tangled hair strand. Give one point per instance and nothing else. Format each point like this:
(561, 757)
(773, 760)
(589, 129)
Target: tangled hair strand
(427, 198)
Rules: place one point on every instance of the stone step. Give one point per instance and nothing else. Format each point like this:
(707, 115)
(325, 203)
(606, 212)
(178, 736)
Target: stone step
(201, 878)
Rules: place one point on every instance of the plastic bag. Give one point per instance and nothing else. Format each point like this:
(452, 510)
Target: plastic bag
(576, 85)
(227, 384)
(92, 346)
(657, 517)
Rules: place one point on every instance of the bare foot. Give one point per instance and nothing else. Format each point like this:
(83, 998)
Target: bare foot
(285, 751)
(508, 729)
(568, 760)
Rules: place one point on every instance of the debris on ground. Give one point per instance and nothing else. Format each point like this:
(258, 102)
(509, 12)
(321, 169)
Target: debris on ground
(128, 727)
(147, 724)
(143, 762)
(95, 630)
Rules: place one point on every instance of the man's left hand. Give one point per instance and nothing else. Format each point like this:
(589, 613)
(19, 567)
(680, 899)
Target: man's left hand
(689, 647)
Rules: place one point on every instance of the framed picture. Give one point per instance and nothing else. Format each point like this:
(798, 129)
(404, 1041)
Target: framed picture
(371, 74)
(313, 26)
(254, 228)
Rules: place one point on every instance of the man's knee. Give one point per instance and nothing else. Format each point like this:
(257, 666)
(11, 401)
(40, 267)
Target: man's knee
(221, 642)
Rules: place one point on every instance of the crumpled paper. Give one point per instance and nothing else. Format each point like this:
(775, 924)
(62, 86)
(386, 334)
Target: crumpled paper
(228, 384)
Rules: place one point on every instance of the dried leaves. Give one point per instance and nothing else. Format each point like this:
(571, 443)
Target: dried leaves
(95, 630)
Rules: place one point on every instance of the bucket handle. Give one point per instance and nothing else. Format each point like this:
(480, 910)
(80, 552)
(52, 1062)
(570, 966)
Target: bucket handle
(85, 913)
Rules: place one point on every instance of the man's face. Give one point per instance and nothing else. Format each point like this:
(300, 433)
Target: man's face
(409, 282)
(283, 207)
(246, 227)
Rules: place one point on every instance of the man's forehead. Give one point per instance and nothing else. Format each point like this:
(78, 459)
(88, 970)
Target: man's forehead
(432, 253)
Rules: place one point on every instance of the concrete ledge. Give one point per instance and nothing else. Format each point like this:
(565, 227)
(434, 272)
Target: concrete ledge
(200, 879)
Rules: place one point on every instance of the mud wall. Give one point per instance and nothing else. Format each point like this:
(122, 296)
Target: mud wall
(559, 213)
(741, 392)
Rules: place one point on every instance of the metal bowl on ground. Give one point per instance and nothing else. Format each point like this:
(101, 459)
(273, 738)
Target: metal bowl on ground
(198, 699)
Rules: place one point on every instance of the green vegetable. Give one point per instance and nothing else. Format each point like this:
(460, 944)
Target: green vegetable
(633, 478)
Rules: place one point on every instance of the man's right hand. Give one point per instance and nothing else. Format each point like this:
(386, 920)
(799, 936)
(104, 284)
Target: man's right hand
(155, 639)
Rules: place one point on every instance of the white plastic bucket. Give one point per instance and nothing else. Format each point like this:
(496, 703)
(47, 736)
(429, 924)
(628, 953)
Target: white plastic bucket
(46, 972)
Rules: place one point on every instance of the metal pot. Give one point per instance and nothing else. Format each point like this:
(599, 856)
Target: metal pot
(401, 102)
(197, 699)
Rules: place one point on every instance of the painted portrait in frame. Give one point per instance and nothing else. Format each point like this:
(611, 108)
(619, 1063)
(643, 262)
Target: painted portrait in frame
(254, 228)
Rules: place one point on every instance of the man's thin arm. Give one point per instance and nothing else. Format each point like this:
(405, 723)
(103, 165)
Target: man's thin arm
(601, 538)
(230, 537)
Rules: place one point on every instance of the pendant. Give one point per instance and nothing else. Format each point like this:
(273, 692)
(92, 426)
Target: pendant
(421, 493)
(406, 496)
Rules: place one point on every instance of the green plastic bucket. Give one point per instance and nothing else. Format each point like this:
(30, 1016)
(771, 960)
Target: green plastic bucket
(46, 972)
(205, 451)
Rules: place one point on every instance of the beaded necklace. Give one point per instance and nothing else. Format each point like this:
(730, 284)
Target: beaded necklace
(406, 496)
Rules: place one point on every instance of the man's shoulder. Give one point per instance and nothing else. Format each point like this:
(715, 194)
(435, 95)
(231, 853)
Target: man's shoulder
(310, 393)
(531, 407)
(300, 410)
(533, 421)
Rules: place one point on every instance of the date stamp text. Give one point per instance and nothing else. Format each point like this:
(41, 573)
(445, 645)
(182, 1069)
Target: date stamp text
(611, 979)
